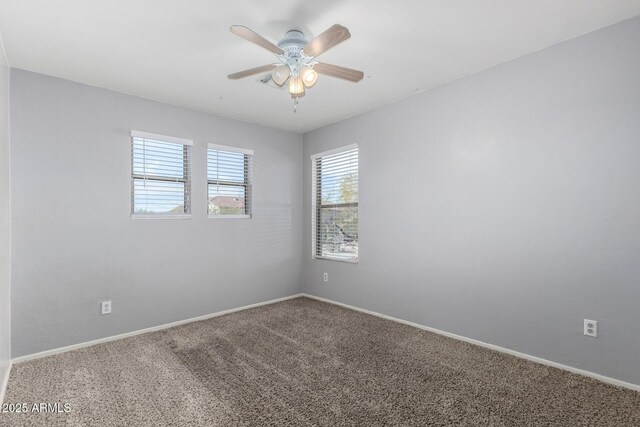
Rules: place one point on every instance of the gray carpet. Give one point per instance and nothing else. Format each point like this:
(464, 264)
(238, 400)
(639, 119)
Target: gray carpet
(306, 363)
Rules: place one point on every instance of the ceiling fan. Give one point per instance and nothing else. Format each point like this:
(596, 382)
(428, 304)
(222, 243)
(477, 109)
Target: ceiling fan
(296, 59)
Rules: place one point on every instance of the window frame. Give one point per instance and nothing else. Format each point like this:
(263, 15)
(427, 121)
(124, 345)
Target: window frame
(316, 204)
(247, 183)
(185, 179)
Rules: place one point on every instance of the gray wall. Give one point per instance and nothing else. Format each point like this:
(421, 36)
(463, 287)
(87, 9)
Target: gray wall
(5, 225)
(74, 243)
(505, 206)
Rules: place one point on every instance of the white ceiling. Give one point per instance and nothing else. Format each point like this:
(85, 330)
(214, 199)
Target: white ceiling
(180, 52)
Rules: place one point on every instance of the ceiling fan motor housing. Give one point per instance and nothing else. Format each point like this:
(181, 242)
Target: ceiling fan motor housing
(293, 40)
(292, 44)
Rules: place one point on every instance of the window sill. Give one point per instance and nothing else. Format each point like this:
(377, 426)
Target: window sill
(230, 216)
(324, 258)
(162, 216)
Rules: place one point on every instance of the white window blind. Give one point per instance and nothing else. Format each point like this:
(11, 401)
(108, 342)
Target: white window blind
(229, 181)
(335, 204)
(160, 175)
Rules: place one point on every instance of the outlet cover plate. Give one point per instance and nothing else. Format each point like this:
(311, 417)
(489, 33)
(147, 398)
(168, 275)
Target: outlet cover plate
(591, 328)
(105, 307)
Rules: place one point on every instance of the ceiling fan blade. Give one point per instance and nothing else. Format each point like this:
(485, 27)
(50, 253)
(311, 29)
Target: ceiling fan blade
(251, 72)
(325, 41)
(254, 37)
(339, 72)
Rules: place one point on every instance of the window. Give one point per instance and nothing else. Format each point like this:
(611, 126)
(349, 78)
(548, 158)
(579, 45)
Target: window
(160, 176)
(335, 204)
(229, 181)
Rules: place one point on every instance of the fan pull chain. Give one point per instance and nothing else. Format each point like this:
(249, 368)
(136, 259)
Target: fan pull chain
(295, 104)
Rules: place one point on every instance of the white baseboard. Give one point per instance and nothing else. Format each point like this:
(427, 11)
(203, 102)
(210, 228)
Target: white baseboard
(593, 375)
(144, 331)
(525, 356)
(5, 382)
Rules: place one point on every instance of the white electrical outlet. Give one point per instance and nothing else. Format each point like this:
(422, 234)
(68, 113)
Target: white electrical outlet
(105, 307)
(591, 328)
(325, 277)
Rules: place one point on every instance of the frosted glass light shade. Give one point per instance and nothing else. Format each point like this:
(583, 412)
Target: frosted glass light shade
(309, 76)
(280, 74)
(296, 87)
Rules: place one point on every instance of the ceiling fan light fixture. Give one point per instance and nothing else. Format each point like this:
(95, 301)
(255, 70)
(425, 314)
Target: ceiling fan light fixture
(309, 76)
(296, 86)
(296, 59)
(281, 74)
